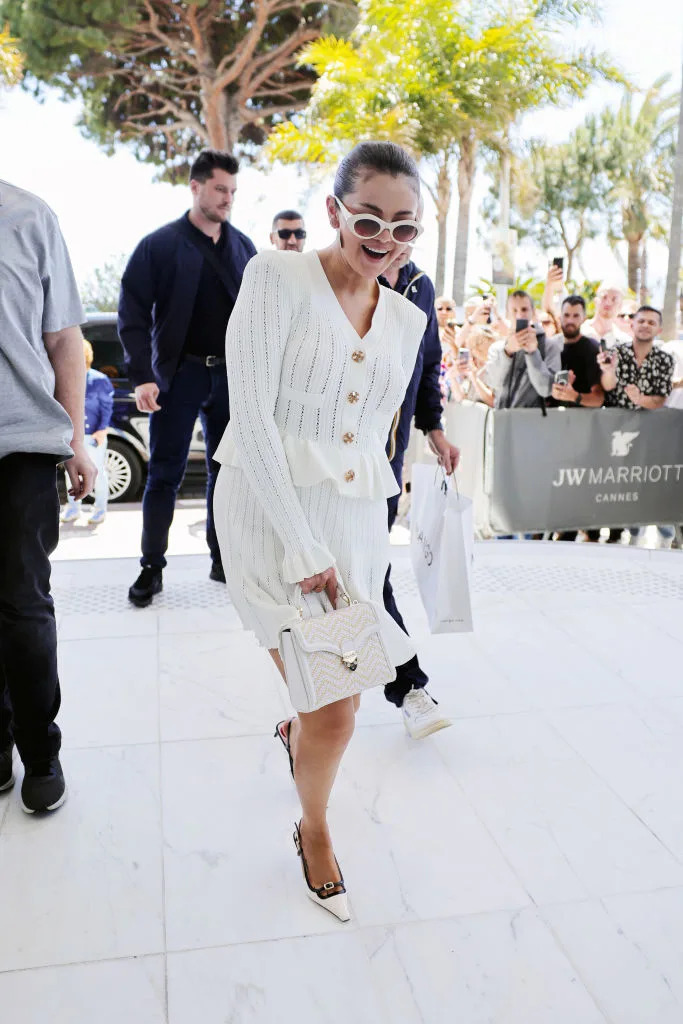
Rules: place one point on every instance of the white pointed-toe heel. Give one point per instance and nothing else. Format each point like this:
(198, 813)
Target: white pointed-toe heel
(328, 895)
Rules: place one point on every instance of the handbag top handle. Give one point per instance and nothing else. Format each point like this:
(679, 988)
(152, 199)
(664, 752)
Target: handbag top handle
(299, 594)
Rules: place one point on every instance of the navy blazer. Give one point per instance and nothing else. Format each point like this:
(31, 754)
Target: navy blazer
(423, 395)
(158, 291)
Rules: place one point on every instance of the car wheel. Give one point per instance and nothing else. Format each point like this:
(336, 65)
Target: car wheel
(124, 470)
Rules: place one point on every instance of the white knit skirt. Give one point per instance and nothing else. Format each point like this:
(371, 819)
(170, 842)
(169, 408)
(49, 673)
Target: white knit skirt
(354, 531)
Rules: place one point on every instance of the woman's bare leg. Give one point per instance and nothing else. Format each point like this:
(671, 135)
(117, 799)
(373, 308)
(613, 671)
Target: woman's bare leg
(318, 740)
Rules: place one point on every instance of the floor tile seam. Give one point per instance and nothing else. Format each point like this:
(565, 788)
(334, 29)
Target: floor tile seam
(68, 748)
(538, 909)
(602, 897)
(597, 1002)
(558, 623)
(147, 633)
(58, 964)
(496, 843)
(487, 829)
(608, 785)
(471, 717)
(162, 829)
(356, 929)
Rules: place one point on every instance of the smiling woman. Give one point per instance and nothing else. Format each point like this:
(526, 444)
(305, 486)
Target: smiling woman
(318, 358)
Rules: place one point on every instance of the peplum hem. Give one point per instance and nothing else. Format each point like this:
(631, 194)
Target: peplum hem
(311, 462)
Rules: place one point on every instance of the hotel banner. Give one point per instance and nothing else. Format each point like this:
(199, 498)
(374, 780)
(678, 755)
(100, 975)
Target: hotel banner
(579, 468)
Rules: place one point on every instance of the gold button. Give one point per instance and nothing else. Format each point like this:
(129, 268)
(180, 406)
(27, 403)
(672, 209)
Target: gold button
(348, 437)
(358, 356)
(353, 397)
(349, 476)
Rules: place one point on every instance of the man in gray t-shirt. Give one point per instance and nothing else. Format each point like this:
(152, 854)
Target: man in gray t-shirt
(42, 382)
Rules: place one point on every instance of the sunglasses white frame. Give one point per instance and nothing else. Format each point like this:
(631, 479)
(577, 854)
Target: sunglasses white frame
(351, 219)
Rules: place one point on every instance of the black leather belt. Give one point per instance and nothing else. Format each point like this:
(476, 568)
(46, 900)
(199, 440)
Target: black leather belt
(206, 360)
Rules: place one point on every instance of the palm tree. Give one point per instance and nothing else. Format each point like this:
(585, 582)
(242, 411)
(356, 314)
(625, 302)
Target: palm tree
(558, 192)
(673, 271)
(639, 155)
(424, 74)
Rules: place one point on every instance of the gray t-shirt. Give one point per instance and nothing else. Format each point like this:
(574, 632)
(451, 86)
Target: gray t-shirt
(38, 293)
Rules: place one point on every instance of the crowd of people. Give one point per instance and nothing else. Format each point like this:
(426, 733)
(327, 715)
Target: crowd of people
(308, 370)
(516, 360)
(557, 356)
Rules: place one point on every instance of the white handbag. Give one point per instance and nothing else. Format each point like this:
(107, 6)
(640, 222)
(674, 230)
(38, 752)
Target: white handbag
(335, 655)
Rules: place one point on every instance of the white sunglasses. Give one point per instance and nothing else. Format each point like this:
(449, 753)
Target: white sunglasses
(366, 225)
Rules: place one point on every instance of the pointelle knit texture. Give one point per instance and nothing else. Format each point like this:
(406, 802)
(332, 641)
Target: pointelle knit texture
(305, 477)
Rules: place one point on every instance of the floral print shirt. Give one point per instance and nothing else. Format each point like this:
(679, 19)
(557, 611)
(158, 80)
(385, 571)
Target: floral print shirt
(653, 377)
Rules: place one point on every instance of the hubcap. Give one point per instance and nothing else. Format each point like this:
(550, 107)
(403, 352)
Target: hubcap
(119, 474)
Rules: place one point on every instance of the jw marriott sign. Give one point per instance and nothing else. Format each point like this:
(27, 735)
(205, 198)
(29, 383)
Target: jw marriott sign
(585, 468)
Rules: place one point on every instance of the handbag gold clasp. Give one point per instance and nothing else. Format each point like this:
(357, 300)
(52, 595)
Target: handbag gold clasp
(350, 659)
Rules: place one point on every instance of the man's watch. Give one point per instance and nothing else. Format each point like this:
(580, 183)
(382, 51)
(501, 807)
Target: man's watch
(577, 400)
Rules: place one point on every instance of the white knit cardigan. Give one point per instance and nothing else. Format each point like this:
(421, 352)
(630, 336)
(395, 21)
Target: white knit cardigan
(309, 399)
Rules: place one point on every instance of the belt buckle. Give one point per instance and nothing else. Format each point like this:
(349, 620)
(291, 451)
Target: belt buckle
(212, 360)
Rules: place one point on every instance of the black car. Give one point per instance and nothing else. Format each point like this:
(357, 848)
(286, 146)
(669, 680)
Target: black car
(128, 437)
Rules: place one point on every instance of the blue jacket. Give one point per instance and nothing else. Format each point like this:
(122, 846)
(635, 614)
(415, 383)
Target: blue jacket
(423, 395)
(99, 401)
(158, 290)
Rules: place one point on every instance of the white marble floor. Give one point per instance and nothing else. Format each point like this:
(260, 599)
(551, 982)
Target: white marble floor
(522, 867)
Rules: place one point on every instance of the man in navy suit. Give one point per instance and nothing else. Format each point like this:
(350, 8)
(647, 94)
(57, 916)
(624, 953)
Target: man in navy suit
(422, 403)
(177, 294)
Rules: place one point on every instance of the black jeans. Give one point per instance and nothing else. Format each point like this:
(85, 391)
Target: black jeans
(29, 531)
(410, 674)
(196, 390)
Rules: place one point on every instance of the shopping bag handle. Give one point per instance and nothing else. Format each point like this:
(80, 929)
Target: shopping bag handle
(444, 480)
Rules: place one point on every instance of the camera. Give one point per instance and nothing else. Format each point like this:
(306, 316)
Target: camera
(464, 355)
(521, 325)
(451, 323)
(562, 377)
(558, 261)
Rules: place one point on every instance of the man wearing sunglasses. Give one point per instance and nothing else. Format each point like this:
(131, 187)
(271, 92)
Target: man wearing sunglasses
(289, 233)
(422, 402)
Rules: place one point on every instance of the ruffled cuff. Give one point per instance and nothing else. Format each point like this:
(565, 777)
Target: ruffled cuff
(298, 566)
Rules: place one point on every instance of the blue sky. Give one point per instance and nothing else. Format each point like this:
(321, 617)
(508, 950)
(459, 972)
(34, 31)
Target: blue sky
(106, 204)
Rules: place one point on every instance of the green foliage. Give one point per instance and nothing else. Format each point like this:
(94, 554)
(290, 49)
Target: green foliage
(558, 192)
(440, 81)
(169, 76)
(11, 59)
(639, 146)
(424, 74)
(100, 292)
(535, 286)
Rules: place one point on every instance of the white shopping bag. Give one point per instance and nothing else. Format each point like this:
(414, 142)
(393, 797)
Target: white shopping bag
(442, 549)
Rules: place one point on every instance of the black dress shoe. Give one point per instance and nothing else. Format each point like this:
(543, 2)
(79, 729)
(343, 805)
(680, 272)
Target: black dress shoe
(148, 583)
(43, 788)
(6, 776)
(217, 573)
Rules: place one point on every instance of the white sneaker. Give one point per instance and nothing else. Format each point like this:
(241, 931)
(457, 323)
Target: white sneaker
(97, 517)
(421, 715)
(70, 513)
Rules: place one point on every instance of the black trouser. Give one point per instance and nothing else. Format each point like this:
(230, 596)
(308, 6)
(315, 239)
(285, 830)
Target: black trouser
(196, 390)
(29, 531)
(410, 674)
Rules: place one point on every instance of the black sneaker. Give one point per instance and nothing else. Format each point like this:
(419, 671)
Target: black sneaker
(148, 583)
(6, 776)
(217, 572)
(43, 788)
